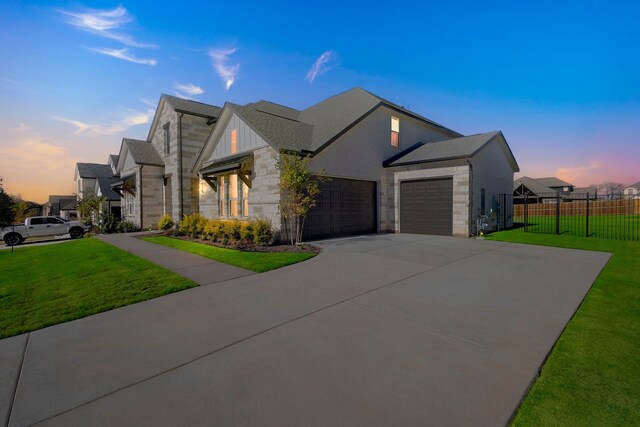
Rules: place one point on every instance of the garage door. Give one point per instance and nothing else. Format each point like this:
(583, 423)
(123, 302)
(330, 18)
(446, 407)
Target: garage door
(426, 206)
(344, 207)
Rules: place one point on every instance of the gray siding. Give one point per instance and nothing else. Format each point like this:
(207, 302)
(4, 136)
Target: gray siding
(247, 139)
(493, 172)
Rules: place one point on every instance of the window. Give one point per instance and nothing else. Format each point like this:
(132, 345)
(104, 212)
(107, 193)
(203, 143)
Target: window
(395, 132)
(233, 196)
(234, 141)
(167, 139)
(37, 221)
(482, 202)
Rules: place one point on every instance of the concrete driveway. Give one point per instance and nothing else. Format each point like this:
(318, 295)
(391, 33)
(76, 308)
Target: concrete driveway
(378, 330)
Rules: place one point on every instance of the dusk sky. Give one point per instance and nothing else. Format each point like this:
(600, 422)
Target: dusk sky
(561, 79)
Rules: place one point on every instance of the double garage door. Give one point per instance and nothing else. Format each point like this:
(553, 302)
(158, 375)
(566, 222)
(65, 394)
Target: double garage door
(344, 207)
(348, 207)
(426, 206)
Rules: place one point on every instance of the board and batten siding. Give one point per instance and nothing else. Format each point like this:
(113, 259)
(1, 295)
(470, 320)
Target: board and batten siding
(248, 140)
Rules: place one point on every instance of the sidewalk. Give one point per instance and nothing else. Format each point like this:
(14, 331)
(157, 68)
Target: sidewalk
(201, 270)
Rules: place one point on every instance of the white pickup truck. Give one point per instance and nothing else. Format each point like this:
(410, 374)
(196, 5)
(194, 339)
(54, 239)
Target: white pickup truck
(42, 226)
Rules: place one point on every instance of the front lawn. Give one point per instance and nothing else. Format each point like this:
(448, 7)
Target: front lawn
(47, 285)
(254, 261)
(592, 376)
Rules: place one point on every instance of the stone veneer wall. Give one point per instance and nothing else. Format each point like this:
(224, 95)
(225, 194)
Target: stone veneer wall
(152, 196)
(460, 175)
(264, 194)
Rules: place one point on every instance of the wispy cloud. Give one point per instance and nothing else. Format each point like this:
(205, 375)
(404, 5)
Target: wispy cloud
(125, 55)
(579, 173)
(22, 127)
(7, 80)
(220, 62)
(130, 119)
(105, 23)
(187, 90)
(324, 63)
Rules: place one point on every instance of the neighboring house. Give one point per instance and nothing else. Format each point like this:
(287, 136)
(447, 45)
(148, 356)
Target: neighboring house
(390, 169)
(156, 175)
(537, 190)
(96, 179)
(64, 206)
(632, 191)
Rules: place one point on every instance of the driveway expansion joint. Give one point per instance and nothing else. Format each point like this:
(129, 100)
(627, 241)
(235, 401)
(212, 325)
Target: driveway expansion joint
(15, 387)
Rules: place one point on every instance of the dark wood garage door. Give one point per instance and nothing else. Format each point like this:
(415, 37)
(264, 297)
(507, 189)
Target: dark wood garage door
(344, 207)
(426, 206)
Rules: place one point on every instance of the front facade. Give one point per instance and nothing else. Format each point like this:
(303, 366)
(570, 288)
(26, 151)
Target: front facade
(155, 174)
(390, 169)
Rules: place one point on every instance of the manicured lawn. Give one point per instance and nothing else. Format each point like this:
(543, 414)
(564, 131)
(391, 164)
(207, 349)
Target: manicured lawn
(47, 285)
(254, 261)
(592, 376)
(623, 227)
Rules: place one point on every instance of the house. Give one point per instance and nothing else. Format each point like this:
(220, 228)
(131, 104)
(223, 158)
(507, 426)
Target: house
(155, 175)
(390, 169)
(632, 191)
(540, 190)
(64, 206)
(96, 179)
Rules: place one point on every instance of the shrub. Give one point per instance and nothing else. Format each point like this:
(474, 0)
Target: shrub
(246, 231)
(127, 227)
(192, 225)
(232, 229)
(107, 222)
(165, 222)
(263, 233)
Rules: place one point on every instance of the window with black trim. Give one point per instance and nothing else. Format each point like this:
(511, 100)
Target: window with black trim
(167, 139)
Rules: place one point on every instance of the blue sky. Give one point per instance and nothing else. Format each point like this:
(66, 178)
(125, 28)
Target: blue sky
(560, 79)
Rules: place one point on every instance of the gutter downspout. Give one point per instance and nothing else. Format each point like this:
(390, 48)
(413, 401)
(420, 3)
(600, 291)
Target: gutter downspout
(470, 196)
(141, 204)
(181, 210)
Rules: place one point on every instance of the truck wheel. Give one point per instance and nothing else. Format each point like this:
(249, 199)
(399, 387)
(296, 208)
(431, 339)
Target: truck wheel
(76, 233)
(12, 239)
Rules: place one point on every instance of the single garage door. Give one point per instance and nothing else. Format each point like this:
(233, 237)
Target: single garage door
(344, 207)
(426, 206)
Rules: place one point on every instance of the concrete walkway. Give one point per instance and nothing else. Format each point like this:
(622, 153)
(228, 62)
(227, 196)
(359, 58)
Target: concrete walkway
(201, 270)
(378, 330)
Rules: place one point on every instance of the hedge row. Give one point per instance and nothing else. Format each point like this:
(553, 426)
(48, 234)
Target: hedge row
(232, 231)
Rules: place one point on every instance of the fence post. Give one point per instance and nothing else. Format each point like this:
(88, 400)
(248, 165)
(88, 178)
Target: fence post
(587, 223)
(526, 212)
(557, 212)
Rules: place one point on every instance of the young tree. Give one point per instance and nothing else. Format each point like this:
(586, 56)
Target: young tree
(89, 208)
(7, 216)
(298, 190)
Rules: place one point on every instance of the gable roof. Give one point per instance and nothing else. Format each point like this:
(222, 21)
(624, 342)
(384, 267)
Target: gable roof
(636, 185)
(532, 185)
(104, 184)
(194, 108)
(553, 182)
(93, 170)
(142, 152)
(466, 146)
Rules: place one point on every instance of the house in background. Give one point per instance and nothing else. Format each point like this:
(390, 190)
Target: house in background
(155, 175)
(64, 206)
(390, 169)
(539, 190)
(95, 179)
(632, 191)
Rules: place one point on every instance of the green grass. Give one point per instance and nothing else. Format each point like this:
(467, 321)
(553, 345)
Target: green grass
(47, 285)
(592, 376)
(623, 227)
(254, 261)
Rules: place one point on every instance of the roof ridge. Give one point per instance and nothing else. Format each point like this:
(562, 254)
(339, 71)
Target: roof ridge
(189, 100)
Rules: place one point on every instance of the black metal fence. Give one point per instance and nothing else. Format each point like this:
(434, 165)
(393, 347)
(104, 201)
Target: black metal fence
(579, 215)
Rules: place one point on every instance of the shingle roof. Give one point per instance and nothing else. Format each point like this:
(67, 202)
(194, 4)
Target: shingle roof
(553, 182)
(193, 107)
(55, 198)
(465, 146)
(143, 152)
(93, 170)
(636, 185)
(104, 183)
(68, 204)
(532, 185)
(113, 158)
